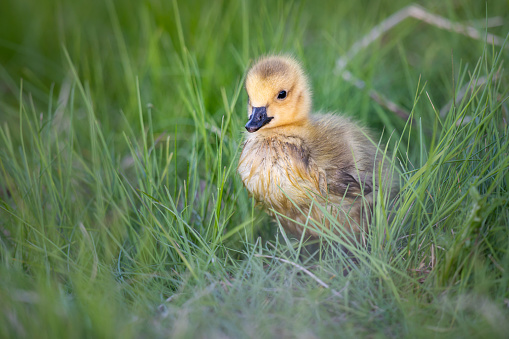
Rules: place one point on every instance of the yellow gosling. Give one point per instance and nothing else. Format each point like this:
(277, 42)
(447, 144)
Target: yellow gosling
(291, 157)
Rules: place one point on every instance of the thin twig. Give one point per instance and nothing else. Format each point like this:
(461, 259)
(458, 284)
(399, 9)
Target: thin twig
(296, 265)
(318, 280)
(495, 21)
(419, 13)
(377, 97)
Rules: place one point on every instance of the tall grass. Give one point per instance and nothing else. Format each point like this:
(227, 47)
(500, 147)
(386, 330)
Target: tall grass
(121, 213)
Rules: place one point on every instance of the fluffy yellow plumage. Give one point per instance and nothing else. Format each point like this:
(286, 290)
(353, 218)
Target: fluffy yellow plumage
(291, 158)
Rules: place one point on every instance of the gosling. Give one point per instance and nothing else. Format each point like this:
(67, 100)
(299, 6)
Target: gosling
(299, 165)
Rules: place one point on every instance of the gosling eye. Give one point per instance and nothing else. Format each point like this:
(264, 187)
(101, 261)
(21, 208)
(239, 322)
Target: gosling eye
(281, 95)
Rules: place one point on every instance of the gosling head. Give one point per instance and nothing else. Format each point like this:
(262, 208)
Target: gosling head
(278, 94)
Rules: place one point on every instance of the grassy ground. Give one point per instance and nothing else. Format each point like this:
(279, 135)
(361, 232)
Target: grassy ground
(121, 213)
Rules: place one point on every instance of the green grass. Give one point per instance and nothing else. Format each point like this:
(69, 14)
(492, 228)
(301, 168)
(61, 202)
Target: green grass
(121, 214)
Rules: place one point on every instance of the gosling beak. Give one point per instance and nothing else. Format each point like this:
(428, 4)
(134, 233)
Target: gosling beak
(258, 119)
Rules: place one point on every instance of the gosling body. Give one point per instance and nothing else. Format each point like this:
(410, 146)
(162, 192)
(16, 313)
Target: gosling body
(299, 165)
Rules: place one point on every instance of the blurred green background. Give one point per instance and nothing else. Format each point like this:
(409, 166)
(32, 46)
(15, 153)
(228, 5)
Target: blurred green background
(111, 43)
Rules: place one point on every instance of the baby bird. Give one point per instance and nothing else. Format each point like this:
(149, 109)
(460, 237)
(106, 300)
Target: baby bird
(300, 164)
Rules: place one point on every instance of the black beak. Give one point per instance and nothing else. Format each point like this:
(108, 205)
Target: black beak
(258, 119)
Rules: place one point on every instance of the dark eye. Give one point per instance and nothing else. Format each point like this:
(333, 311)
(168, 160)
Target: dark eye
(281, 95)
